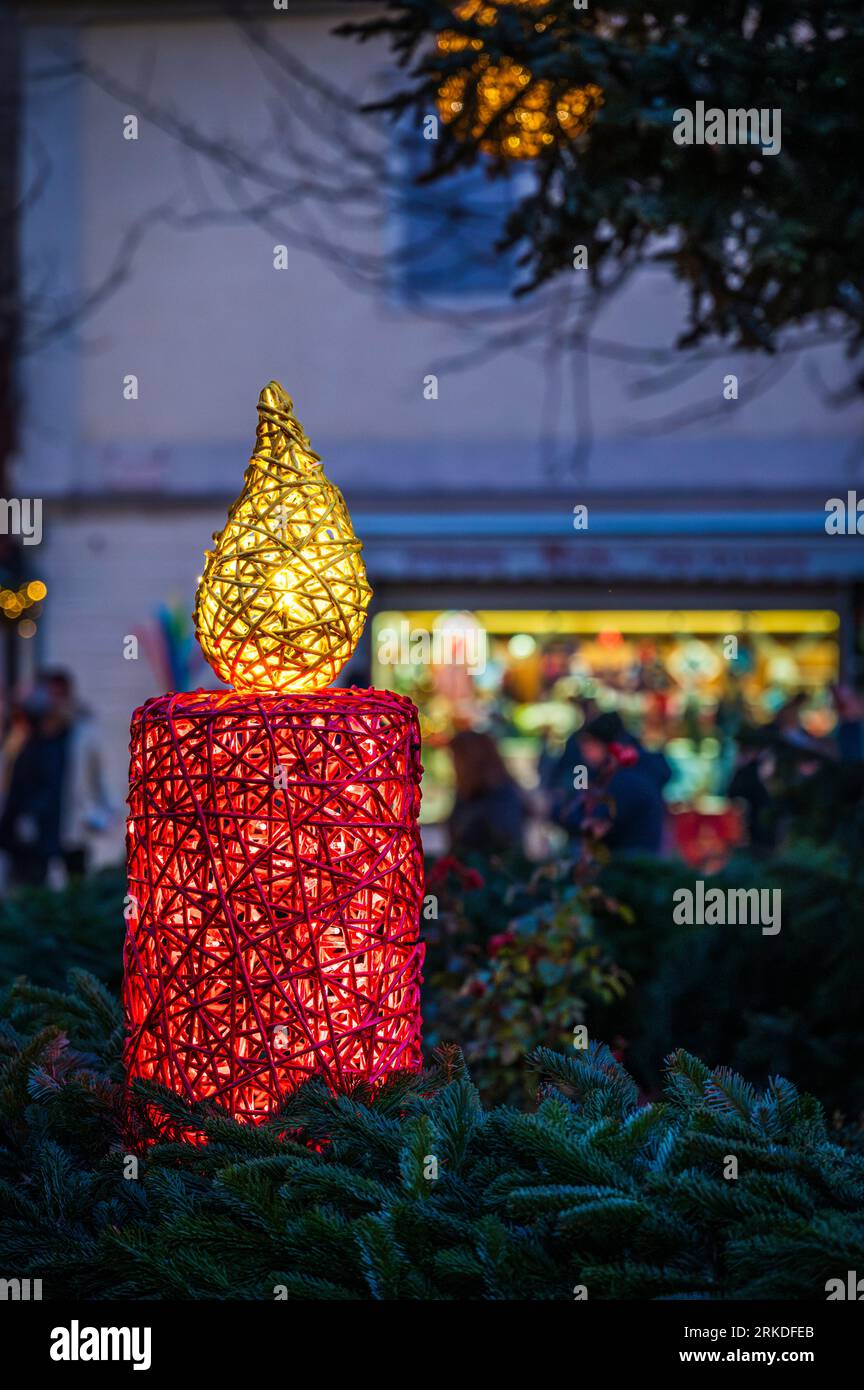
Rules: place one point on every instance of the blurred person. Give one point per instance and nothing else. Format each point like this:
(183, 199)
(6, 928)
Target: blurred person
(549, 755)
(798, 755)
(731, 712)
(20, 820)
(849, 733)
(56, 798)
(85, 808)
(631, 814)
(18, 731)
(730, 716)
(749, 785)
(787, 721)
(652, 763)
(490, 808)
(555, 771)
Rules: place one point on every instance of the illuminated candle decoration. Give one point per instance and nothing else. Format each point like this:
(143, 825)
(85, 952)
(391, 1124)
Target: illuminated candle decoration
(282, 601)
(274, 860)
(497, 101)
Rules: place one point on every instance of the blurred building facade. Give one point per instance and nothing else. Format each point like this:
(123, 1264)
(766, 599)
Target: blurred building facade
(700, 510)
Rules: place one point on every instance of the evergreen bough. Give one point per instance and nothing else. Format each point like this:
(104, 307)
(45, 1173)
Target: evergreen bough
(759, 243)
(332, 1198)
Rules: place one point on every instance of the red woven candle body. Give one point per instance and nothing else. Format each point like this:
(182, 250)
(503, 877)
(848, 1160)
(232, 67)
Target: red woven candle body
(275, 867)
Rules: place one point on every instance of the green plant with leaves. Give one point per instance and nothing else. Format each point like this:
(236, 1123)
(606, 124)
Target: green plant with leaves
(415, 1190)
(762, 1004)
(502, 993)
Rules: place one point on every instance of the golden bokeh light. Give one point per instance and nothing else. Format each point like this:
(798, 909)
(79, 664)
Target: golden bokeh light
(282, 601)
(528, 115)
(13, 603)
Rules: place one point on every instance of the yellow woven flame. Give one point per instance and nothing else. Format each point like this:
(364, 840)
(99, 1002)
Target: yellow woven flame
(282, 601)
(533, 113)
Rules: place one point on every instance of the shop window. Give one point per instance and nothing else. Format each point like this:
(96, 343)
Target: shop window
(529, 677)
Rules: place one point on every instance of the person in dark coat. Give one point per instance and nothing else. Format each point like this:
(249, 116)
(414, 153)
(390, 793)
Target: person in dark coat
(631, 811)
(489, 811)
(748, 785)
(30, 821)
(849, 734)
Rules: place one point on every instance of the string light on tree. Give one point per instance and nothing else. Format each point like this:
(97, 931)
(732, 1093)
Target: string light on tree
(497, 100)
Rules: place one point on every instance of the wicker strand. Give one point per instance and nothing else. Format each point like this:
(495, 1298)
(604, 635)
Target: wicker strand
(282, 601)
(275, 860)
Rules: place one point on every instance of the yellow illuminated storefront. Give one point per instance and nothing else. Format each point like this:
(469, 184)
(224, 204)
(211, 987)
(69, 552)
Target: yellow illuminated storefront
(683, 680)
